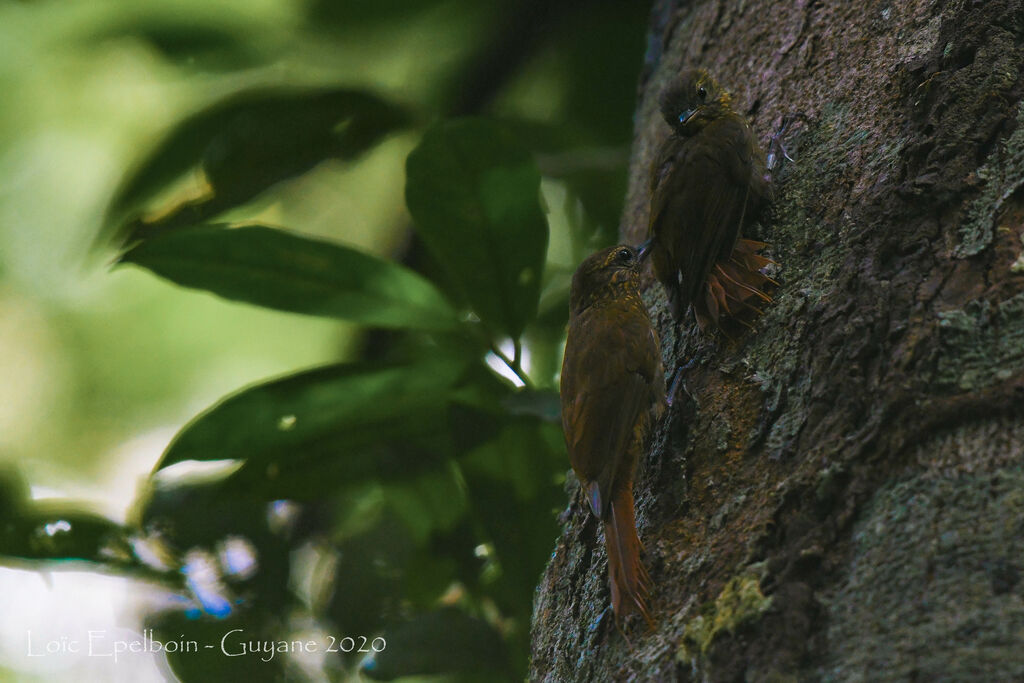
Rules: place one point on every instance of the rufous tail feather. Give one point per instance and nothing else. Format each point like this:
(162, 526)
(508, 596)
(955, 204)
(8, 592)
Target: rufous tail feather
(629, 580)
(734, 285)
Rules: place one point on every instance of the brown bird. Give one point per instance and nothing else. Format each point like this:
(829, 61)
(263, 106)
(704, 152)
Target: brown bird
(708, 184)
(612, 389)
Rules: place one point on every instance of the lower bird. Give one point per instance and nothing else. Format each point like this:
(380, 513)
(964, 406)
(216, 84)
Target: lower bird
(612, 389)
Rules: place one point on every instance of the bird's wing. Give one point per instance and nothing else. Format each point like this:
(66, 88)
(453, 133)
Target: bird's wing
(607, 387)
(673, 154)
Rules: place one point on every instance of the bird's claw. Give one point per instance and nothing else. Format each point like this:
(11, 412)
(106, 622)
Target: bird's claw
(776, 148)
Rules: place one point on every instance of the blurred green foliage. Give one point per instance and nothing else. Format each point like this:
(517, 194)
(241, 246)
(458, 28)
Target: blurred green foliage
(409, 492)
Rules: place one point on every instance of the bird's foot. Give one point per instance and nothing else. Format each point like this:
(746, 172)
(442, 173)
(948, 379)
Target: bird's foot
(777, 152)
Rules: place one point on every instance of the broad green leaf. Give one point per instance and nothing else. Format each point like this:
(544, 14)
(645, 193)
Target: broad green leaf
(592, 166)
(207, 661)
(286, 271)
(474, 194)
(383, 570)
(433, 501)
(253, 139)
(446, 641)
(368, 569)
(62, 530)
(514, 489)
(339, 410)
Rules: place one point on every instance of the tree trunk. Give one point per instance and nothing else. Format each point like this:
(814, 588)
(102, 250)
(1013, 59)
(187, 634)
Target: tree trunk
(839, 493)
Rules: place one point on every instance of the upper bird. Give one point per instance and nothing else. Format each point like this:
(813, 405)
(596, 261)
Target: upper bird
(707, 185)
(612, 389)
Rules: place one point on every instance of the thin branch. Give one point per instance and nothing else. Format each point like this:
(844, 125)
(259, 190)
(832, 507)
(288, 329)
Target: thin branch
(514, 364)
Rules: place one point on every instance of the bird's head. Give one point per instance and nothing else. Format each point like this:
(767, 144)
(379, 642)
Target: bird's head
(693, 100)
(606, 273)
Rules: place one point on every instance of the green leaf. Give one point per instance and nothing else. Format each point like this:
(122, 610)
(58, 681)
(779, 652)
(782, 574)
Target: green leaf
(207, 661)
(514, 489)
(368, 569)
(446, 641)
(62, 530)
(382, 570)
(474, 194)
(253, 139)
(592, 167)
(282, 270)
(433, 501)
(338, 410)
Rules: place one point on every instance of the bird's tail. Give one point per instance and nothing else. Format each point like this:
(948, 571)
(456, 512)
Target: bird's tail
(735, 286)
(630, 583)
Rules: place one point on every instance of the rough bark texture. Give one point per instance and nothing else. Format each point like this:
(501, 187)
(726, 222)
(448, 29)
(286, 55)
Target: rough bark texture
(842, 498)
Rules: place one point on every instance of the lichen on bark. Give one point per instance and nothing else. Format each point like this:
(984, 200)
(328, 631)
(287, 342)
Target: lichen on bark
(740, 602)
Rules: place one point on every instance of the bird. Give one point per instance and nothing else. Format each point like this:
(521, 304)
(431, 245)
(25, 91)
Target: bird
(707, 185)
(612, 390)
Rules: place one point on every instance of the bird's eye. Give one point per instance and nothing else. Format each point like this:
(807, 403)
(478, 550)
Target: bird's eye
(624, 256)
(702, 93)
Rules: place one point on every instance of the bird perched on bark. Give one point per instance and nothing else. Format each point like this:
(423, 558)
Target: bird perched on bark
(708, 184)
(612, 389)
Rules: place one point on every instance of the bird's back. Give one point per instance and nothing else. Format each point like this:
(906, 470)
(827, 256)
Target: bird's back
(611, 381)
(704, 190)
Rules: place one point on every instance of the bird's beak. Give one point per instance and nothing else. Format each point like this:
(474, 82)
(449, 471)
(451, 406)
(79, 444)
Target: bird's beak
(687, 115)
(643, 250)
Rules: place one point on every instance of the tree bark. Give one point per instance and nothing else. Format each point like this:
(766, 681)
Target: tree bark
(839, 493)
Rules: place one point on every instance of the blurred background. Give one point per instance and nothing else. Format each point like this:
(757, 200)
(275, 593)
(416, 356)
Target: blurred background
(101, 366)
